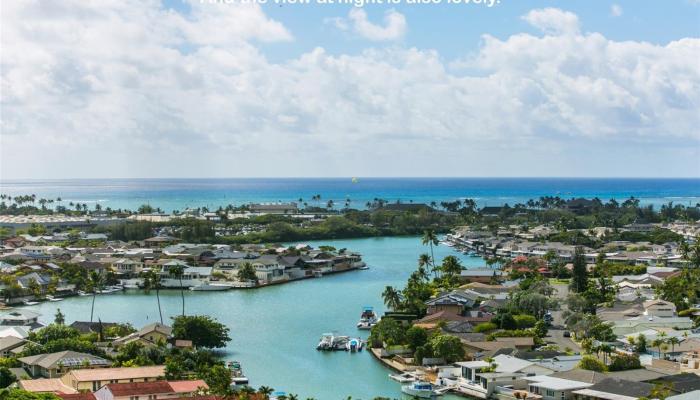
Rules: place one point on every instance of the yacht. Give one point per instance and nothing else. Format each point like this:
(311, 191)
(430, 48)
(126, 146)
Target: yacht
(237, 376)
(420, 389)
(368, 319)
(331, 341)
(211, 287)
(354, 344)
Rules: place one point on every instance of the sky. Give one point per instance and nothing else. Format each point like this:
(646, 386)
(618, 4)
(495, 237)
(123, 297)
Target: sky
(222, 88)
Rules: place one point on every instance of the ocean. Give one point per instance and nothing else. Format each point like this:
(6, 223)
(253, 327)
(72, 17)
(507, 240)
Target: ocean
(178, 194)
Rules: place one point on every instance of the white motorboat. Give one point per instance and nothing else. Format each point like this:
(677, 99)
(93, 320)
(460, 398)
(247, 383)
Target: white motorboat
(237, 377)
(403, 378)
(368, 319)
(81, 293)
(30, 303)
(420, 389)
(326, 341)
(331, 341)
(211, 287)
(54, 299)
(354, 344)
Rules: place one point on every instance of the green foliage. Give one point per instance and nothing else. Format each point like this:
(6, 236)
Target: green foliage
(19, 394)
(6, 377)
(53, 332)
(202, 330)
(579, 278)
(416, 337)
(247, 273)
(592, 364)
(623, 362)
(119, 330)
(505, 320)
(485, 327)
(524, 321)
(218, 378)
(447, 347)
(540, 329)
(388, 331)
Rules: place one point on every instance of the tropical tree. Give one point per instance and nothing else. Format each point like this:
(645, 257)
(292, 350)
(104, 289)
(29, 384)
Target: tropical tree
(673, 341)
(392, 298)
(430, 238)
(178, 271)
(151, 281)
(95, 283)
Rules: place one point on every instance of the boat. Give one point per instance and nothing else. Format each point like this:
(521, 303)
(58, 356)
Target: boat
(325, 342)
(405, 377)
(237, 377)
(81, 293)
(211, 287)
(331, 341)
(420, 389)
(30, 303)
(354, 344)
(367, 319)
(51, 298)
(364, 266)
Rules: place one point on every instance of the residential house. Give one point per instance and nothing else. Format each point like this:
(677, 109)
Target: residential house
(53, 365)
(482, 378)
(150, 335)
(127, 266)
(11, 346)
(150, 390)
(483, 275)
(455, 302)
(93, 379)
(551, 388)
(24, 318)
(614, 389)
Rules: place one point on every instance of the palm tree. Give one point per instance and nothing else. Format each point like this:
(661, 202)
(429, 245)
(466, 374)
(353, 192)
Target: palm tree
(658, 343)
(673, 341)
(95, 283)
(392, 298)
(266, 391)
(430, 238)
(178, 271)
(151, 280)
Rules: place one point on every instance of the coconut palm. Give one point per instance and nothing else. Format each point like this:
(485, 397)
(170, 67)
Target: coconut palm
(266, 391)
(151, 280)
(178, 271)
(392, 297)
(95, 282)
(430, 238)
(673, 341)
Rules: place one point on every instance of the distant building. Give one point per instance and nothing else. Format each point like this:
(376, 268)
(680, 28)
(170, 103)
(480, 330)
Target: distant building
(274, 208)
(54, 365)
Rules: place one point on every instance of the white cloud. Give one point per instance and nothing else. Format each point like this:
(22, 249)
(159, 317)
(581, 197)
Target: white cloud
(553, 21)
(135, 90)
(616, 10)
(394, 25)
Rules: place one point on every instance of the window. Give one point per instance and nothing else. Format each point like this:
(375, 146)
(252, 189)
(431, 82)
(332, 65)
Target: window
(550, 393)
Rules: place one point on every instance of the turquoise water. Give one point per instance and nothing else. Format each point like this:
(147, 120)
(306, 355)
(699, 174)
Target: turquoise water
(178, 194)
(275, 330)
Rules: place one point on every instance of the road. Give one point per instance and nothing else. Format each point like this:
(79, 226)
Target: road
(556, 332)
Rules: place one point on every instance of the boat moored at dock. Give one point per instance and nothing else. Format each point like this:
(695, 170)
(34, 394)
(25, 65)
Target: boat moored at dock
(367, 319)
(420, 389)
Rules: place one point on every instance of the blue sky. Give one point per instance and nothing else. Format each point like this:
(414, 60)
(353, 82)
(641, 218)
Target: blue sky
(454, 30)
(185, 88)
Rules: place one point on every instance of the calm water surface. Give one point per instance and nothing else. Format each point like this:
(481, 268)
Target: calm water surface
(275, 330)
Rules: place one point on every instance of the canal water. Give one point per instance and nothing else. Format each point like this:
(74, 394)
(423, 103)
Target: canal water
(275, 329)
